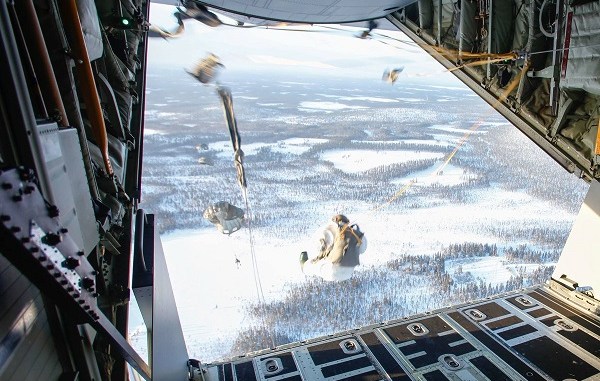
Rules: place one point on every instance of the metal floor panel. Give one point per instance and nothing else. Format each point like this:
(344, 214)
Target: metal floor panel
(533, 334)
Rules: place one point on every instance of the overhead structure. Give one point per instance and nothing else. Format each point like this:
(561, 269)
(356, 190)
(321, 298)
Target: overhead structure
(310, 12)
(391, 76)
(557, 103)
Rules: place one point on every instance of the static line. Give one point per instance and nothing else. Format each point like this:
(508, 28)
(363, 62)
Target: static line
(462, 141)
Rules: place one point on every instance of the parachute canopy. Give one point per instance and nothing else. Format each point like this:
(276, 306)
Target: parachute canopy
(228, 218)
(207, 69)
(156, 31)
(205, 161)
(390, 76)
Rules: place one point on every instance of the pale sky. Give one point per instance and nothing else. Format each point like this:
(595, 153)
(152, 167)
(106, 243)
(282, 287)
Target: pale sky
(322, 50)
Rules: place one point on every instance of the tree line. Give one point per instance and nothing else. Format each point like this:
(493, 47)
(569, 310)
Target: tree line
(404, 286)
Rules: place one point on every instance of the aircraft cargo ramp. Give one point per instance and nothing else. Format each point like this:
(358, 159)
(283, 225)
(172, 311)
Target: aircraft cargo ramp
(533, 334)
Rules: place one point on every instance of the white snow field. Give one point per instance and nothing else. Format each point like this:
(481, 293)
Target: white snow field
(326, 106)
(293, 146)
(355, 161)
(211, 291)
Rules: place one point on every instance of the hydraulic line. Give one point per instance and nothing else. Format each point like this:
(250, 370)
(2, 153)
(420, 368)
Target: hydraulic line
(37, 99)
(597, 147)
(42, 65)
(86, 81)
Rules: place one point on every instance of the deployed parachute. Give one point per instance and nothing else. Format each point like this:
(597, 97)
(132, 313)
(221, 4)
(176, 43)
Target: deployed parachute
(205, 161)
(238, 154)
(207, 69)
(228, 218)
(340, 245)
(371, 24)
(390, 76)
(156, 31)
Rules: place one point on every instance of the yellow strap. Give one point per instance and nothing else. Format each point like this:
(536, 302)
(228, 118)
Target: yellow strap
(598, 139)
(477, 63)
(511, 86)
(341, 235)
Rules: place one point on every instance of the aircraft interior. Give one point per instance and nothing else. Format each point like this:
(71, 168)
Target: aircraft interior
(74, 243)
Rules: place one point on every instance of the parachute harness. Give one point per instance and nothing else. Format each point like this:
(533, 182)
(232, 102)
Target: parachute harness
(347, 227)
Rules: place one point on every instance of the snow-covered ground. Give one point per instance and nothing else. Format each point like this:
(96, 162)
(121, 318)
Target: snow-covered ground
(356, 161)
(294, 146)
(358, 98)
(405, 141)
(445, 175)
(212, 292)
(453, 129)
(326, 106)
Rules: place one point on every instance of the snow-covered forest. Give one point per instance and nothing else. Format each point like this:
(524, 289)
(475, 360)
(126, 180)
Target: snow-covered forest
(401, 287)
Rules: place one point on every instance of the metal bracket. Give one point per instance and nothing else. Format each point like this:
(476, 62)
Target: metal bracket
(556, 58)
(32, 226)
(561, 116)
(582, 296)
(195, 370)
(152, 287)
(547, 72)
(32, 239)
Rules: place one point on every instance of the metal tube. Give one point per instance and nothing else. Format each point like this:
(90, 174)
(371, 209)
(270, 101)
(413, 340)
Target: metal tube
(490, 12)
(66, 87)
(439, 23)
(18, 117)
(37, 99)
(557, 57)
(43, 65)
(528, 47)
(87, 81)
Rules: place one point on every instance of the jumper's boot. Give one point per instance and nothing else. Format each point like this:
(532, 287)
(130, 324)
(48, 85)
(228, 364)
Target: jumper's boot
(303, 258)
